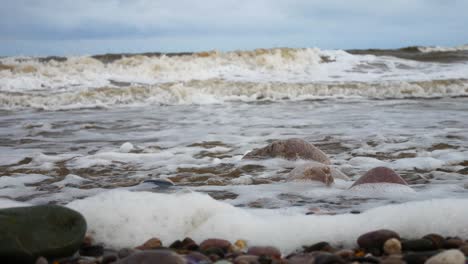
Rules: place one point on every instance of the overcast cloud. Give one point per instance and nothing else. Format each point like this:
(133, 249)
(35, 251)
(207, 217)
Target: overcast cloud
(63, 27)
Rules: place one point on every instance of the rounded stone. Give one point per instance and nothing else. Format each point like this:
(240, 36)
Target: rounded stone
(452, 256)
(452, 243)
(418, 245)
(92, 251)
(437, 240)
(246, 259)
(392, 246)
(327, 258)
(267, 251)
(215, 243)
(464, 249)
(380, 175)
(320, 246)
(393, 259)
(321, 173)
(50, 231)
(376, 239)
(197, 257)
(290, 149)
(153, 256)
(152, 243)
(41, 260)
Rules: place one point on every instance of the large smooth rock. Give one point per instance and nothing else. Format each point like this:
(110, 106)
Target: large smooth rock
(380, 175)
(290, 149)
(153, 256)
(376, 239)
(452, 256)
(50, 231)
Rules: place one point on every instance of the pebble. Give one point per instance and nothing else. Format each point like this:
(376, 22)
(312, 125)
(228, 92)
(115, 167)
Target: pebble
(418, 245)
(271, 252)
(125, 252)
(327, 258)
(246, 259)
(437, 240)
(464, 249)
(452, 256)
(393, 259)
(41, 260)
(197, 257)
(152, 243)
(153, 256)
(240, 244)
(215, 243)
(453, 243)
(92, 251)
(376, 239)
(392, 246)
(418, 257)
(320, 246)
(379, 175)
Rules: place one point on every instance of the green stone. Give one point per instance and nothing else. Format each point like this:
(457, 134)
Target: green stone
(50, 231)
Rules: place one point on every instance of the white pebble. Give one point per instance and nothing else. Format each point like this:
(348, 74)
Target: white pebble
(453, 256)
(126, 147)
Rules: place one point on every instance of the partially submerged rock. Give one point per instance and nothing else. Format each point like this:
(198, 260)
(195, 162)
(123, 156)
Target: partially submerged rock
(290, 149)
(380, 175)
(315, 171)
(49, 231)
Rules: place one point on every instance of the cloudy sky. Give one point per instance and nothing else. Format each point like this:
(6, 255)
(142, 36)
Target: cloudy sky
(70, 27)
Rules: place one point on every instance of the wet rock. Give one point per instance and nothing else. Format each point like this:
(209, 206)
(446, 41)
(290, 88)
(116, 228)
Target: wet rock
(418, 245)
(320, 246)
(197, 257)
(393, 259)
(321, 173)
(153, 256)
(418, 257)
(246, 259)
(48, 230)
(365, 259)
(452, 243)
(345, 254)
(87, 241)
(392, 246)
(327, 258)
(303, 258)
(152, 243)
(125, 252)
(240, 244)
(380, 175)
(290, 149)
(375, 240)
(161, 183)
(108, 259)
(92, 251)
(214, 253)
(452, 256)
(271, 252)
(215, 243)
(437, 240)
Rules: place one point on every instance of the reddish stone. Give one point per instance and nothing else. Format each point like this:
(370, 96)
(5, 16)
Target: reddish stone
(215, 243)
(380, 175)
(152, 243)
(290, 149)
(271, 252)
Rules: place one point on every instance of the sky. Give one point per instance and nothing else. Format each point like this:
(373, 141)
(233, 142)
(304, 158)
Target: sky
(83, 27)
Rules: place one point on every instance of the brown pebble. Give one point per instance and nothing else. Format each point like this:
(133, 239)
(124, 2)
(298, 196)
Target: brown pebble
(380, 175)
(345, 254)
(393, 259)
(453, 243)
(153, 256)
(246, 259)
(197, 257)
(320, 246)
(215, 243)
(437, 240)
(374, 241)
(152, 243)
(268, 251)
(464, 249)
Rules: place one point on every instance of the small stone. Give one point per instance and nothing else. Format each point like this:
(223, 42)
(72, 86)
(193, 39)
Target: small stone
(214, 251)
(453, 243)
(393, 259)
(437, 240)
(240, 244)
(345, 254)
(392, 246)
(42, 260)
(418, 245)
(268, 251)
(125, 252)
(302, 258)
(109, 259)
(291, 149)
(375, 240)
(246, 259)
(92, 251)
(197, 257)
(418, 257)
(152, 243)
(189, 244)
(452, 256)
(380, 175)
(153, 256)
(215, 243)
(223, 261)
(327, 258)
(320, 246)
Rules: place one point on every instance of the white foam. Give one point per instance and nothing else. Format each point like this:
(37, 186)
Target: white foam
(126, 219)
(443, 49)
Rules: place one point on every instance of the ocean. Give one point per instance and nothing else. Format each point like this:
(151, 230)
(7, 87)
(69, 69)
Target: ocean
(89, 132)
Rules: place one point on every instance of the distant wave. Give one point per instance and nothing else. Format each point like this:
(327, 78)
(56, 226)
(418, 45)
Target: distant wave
(216, 91)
